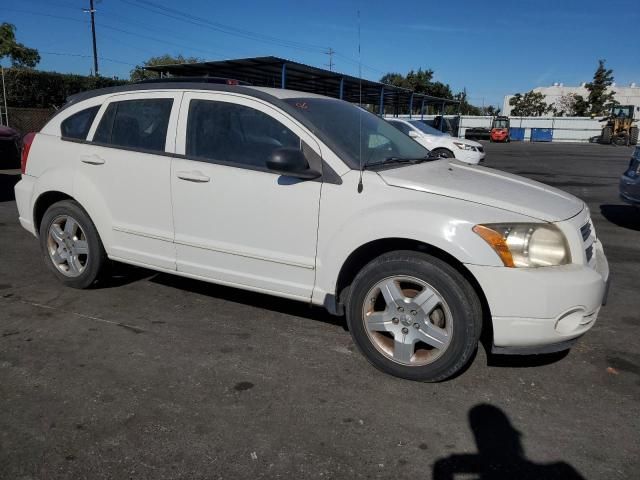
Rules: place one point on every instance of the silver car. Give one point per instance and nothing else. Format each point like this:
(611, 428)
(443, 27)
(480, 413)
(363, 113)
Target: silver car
(630, 180)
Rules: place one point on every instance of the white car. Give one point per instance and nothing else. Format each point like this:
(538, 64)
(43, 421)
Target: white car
(439, 142)
(313, 199)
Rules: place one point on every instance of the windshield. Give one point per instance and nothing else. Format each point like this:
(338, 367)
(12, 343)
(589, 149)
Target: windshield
(623, 112)
(423, 127)
(358, 136)
(501, 123)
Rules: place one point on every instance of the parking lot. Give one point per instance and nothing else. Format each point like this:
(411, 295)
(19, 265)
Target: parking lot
(156, 376)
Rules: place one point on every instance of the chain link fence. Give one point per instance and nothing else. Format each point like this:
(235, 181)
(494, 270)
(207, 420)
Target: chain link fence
(29, 119)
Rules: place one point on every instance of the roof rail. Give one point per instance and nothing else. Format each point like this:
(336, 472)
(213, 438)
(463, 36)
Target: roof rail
(216, 80)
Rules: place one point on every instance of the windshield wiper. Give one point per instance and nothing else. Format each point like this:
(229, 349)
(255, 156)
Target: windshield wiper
(395, 160)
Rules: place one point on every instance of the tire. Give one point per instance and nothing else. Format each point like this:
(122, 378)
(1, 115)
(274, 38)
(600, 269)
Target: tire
(621, 140)
(70, 245)
(393, 336)
(633, 136)
(444, 153)
(607, 133)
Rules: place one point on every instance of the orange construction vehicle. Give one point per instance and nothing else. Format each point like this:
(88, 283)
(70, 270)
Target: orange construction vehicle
(500, 130)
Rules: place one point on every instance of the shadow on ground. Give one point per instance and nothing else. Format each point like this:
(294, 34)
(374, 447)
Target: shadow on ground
(525, 361)
(500, 456)
(7, 182)
(625, 216)
(253, 299)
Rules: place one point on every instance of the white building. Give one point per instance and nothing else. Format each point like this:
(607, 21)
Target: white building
(625, 95)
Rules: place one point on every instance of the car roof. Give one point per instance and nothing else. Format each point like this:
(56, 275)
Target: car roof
(259, 92)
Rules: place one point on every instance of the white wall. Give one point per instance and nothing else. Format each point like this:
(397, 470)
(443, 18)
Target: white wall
(565, 129)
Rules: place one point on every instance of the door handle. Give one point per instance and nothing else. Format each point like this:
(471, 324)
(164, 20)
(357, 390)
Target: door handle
(193, 177)
(92, 159)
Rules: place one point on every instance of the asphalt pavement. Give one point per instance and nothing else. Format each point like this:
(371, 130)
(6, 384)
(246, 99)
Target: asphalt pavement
(157, 377)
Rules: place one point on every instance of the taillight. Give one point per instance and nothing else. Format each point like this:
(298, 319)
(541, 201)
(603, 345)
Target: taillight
(27, 140)
(231, 81)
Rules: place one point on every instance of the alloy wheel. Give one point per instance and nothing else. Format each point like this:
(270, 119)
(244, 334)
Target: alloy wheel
(407, 320)
(67, 246)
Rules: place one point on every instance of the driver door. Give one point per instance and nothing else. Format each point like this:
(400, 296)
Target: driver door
(236, 222)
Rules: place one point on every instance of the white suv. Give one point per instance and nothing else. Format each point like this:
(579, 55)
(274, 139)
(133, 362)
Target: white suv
(313, 199)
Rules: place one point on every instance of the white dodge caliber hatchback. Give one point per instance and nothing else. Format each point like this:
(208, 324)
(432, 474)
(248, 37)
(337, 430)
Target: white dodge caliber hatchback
(313, 199)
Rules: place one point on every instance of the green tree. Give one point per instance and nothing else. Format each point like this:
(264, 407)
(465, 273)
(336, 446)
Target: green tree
(601, 97)
(421, 81)
(139, 73)
(19, 54)
(490, 110)
(531, 104)
(465, 107)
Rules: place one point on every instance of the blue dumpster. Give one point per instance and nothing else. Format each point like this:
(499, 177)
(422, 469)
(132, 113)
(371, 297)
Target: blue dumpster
(516, 134)
(541, 134)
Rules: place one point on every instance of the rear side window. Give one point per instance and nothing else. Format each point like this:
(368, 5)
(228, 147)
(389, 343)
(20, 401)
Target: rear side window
(139, 124)
(227, 132)
(77, 125)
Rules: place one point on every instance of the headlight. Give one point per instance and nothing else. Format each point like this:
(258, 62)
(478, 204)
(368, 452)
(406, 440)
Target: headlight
(526, 244)
(463, 146)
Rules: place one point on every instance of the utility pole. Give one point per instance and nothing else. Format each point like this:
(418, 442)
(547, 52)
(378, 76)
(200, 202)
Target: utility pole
(330, 52)
(92, 12)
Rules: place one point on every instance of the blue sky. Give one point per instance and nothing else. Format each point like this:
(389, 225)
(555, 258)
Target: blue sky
(491, 48)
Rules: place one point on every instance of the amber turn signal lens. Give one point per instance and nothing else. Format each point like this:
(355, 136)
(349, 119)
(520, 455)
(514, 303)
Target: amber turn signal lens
(497, 242)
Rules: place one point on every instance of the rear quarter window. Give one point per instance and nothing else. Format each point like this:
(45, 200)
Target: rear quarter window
(77, 126)
(135, 124)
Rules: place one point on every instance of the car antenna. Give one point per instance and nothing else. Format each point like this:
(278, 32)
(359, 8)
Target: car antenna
(360, 105)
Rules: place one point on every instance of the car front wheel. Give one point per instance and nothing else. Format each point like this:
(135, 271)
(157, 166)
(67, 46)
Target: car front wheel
(414, 316)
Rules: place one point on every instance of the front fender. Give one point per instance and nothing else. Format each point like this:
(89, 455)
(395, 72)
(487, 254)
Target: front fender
(349, 220)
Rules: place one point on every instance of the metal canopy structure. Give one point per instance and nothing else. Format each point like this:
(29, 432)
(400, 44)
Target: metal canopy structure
(281, 73)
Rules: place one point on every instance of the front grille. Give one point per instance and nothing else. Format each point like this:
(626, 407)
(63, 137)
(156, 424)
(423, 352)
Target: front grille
(587, 238)
(589, 252)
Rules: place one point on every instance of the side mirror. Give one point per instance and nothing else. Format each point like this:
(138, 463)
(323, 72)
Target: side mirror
(413, 134)
(291, 162)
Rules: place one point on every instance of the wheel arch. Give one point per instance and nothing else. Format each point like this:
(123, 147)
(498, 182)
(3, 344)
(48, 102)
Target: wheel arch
(369, 251)
(445, 149)
(42, 204)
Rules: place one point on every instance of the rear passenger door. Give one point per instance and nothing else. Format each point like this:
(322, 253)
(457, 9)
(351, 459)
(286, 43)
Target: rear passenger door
(127, 164)
(236, 222)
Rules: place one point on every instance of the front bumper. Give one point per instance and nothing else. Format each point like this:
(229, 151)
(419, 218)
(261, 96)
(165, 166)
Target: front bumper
(469, 156)
(630, 189)
(534, 309)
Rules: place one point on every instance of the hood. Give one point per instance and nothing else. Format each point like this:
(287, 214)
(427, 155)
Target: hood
(486, 186)
(464, 141)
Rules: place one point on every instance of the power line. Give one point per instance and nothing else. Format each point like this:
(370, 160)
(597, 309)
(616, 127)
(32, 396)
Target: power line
(81, 55)
(187, 47)
(127, 32)
(223, 28)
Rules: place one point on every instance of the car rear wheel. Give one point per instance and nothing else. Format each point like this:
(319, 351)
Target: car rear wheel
(70, 245)
(414, 316)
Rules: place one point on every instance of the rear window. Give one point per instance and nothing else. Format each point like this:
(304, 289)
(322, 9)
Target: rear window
(77, 126)
(138, 124)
